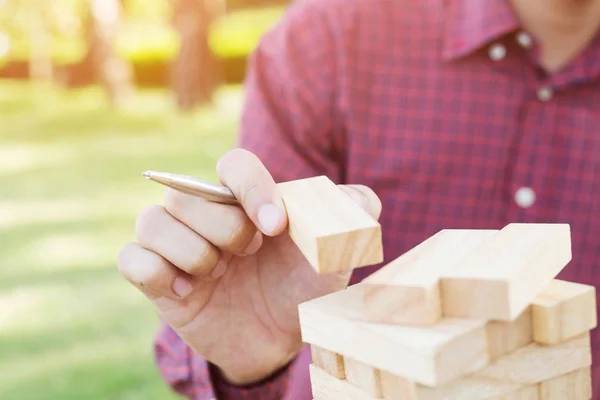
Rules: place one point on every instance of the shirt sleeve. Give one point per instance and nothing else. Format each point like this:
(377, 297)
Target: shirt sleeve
(290, 120)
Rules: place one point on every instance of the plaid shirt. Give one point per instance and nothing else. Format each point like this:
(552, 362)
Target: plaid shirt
(440, 107)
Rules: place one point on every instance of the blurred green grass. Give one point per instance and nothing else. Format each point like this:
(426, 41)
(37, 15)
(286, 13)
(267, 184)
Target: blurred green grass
(70, 188)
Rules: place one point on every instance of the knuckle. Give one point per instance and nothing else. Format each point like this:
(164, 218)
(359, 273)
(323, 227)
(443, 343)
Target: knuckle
(174, 201)
(124, 258)
(234, 158)
(202, 260)
(241, 231)
(249, 189)
(147, 222)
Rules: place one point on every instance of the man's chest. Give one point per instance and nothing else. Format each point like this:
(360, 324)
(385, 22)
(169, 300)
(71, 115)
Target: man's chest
(451, 149)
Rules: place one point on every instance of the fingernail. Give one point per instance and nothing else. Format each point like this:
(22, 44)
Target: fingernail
(182, 287)
(254, 244)
(269, 217)
(219, 269)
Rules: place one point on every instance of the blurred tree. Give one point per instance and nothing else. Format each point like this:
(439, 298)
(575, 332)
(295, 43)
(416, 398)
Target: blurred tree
(30, 19)
(195, 73)
(114, 72)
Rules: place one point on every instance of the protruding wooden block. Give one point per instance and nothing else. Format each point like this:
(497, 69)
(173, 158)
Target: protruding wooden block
(327, 387)
(331, 230)
(406, 291)
(329, 361)
(431, 355)
(536, 363)
(562, 311)
(502, 277)
(504, 337)
(470, 388)
(576, 385)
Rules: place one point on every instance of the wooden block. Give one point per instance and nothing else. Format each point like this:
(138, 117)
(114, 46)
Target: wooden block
(363, 376)
(576, 385)
(562, 311)
(394, 387)
(329, 361)
(328, 387)
(535, 363)
(504, 337)
(431, 355)
(469, 388)
(502, 277)
(406, 291)
(331, 230)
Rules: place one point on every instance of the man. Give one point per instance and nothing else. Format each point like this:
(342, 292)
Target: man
(431, 114)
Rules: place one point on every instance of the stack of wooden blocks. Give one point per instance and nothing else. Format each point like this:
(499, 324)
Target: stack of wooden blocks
(464, 315)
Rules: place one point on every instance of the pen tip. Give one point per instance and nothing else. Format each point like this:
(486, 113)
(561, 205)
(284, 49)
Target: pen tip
(147, 174)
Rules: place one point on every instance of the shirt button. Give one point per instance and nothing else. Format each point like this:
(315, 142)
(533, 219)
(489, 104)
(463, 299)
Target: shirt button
(524, 39)
(544, 93)
(525, 197)
(497, 52)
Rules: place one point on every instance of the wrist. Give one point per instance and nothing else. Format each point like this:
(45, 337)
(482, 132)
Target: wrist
(256, 375)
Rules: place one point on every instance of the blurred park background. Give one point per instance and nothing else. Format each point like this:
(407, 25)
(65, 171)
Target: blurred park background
(92, 93)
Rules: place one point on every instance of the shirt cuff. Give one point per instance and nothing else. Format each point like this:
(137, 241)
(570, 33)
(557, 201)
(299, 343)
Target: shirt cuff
(273, 387)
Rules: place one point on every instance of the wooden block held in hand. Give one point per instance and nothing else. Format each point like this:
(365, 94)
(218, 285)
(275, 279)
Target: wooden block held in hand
(502, 277)
(406, 291)
(576, 385)
(431, 355)
(562, 311)
(331, 230)
(330, 362)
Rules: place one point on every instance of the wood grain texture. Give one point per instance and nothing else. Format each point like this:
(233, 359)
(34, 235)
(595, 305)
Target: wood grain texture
(363, 376)
(406, 290)
(535, 363)
(502, 277)
(504, 337)
(331, 230)
(328, 387)
(329, 361)
(576, 385)
(562, 311)
(431, 355)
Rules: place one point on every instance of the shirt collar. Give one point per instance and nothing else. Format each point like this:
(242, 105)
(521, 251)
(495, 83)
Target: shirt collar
(471, 24)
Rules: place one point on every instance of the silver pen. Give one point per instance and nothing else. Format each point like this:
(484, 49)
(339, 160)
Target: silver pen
(193, 186)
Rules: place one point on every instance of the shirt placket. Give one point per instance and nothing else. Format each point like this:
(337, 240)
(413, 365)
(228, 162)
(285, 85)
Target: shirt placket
(526, 161)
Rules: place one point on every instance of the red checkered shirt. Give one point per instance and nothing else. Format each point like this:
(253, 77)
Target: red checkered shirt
(441, 108)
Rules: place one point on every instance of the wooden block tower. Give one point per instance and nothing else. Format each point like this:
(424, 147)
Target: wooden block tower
(465, 315)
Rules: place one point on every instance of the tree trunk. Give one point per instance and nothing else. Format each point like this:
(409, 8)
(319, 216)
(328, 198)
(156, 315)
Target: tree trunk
(40, 60)
(194, 71)
(114, 73)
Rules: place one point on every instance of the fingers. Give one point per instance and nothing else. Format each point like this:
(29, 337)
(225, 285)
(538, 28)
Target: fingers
(254, 187)
(226, 227)
(365, 197)
(152, 274)
(160, 232)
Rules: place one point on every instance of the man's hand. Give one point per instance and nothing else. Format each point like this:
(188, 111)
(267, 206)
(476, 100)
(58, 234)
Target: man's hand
(227, 278)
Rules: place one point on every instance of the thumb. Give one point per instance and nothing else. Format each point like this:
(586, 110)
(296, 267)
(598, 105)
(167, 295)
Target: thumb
(364, 197)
